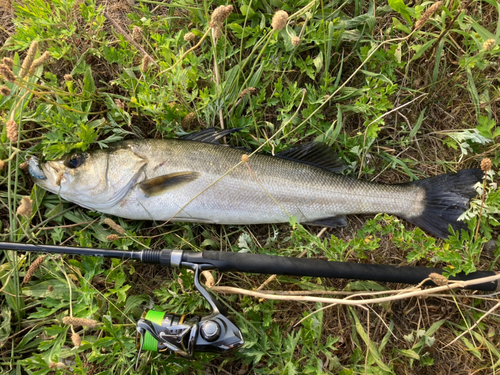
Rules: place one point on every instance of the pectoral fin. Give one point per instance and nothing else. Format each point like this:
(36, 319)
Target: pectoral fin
(161, 184)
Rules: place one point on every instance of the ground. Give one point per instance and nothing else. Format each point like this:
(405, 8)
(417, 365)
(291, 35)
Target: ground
(401, 91)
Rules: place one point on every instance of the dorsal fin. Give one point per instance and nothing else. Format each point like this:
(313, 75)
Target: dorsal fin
(210, 135)
(315, 153)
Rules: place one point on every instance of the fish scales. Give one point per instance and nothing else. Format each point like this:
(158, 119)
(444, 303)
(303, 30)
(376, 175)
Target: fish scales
(267, 190)
(198, 181)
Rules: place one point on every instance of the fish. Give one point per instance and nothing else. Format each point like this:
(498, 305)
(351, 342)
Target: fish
(196, 179)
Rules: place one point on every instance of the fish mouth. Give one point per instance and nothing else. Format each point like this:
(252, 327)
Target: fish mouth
(48, 175)
(34, 168)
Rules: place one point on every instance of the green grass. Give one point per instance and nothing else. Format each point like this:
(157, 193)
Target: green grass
(397, 103)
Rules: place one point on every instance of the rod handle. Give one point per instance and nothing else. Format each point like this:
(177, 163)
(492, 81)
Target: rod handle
(271, 264)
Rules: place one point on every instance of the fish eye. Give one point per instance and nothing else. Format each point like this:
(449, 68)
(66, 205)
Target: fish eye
(76, 160)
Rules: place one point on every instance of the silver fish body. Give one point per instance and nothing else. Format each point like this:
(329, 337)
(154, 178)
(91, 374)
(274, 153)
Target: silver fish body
(266, 190)
(185, 180)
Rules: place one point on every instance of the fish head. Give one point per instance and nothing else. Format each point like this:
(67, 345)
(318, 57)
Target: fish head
(97, 180)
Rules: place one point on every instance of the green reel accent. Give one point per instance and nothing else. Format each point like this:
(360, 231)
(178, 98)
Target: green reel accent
(150, 342)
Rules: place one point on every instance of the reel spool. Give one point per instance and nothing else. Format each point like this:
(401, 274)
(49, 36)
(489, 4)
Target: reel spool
(186, 335)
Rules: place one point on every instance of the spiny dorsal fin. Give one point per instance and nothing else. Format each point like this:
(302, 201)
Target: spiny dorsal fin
(210, 135)
(315, 153)
(161, 184)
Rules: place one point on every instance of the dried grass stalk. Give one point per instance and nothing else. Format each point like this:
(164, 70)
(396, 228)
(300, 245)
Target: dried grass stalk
(137, 34)
(438, 279)
(428, 14)
(217, 32)
(11, 128)
(280, 19)
(250, 90)
(220, 14)
(188, 119)
(42, 59)
(80, 322)
(6, 72)
(112, 237)
(146, 62)
(76, 340)
(26, 207)
(116, 227)
(485, 164)
(28, 60)
(120, 104)
(489, 44)
(209, 279)
(8, 62)
(4, 90)
(31, 270)
(56, 365)
(188, 37)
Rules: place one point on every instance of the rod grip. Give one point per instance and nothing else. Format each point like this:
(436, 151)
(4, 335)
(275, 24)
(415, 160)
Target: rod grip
(271, 264)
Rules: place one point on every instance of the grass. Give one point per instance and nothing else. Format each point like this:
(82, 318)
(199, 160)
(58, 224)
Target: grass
(396, 97)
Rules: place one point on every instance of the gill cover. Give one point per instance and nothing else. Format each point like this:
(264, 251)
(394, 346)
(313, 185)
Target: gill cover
(96, 180)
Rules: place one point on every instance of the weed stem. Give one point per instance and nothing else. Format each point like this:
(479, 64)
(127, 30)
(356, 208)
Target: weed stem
(407, 293)
(129, 39)
(179, 60)
(483, 197)
(217, 77)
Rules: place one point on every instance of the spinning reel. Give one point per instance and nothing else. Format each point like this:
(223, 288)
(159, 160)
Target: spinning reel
(187, 335)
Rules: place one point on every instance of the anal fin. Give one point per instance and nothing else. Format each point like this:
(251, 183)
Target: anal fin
(330, 222)
(157, 185)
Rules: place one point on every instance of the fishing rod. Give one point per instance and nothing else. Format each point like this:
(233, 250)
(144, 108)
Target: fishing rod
(215, 333)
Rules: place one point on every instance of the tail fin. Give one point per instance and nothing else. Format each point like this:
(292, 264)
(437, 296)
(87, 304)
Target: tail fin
(447, 197)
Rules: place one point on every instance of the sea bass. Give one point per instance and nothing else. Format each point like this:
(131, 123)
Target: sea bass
(195, 179)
